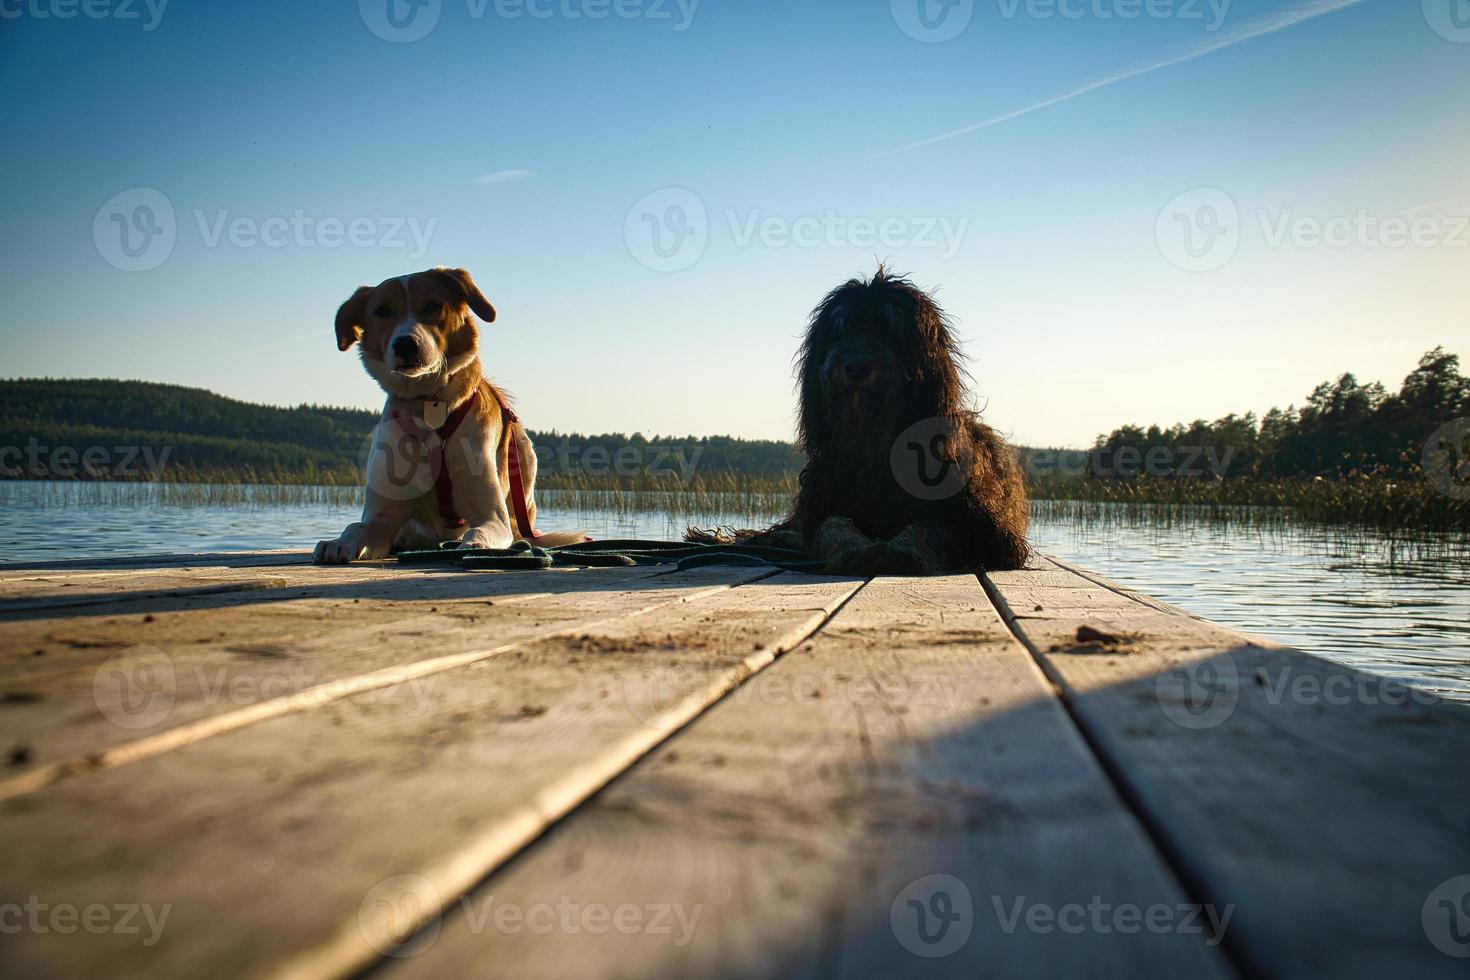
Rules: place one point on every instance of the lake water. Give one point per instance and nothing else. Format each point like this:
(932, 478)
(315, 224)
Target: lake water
(1397, 607)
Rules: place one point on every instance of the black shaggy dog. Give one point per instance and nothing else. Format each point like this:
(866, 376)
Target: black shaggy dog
(901, 477)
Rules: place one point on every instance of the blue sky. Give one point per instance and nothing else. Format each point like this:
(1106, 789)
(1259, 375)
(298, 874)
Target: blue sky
(1139, 239)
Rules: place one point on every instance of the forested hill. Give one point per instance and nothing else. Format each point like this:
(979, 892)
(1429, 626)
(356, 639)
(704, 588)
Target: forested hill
(189, 433)
(143, 406)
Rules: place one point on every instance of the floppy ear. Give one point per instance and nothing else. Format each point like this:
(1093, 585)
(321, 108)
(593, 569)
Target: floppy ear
(350, 317)
(478, 303)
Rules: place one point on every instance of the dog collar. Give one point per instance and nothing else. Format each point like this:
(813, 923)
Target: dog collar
(435, 412)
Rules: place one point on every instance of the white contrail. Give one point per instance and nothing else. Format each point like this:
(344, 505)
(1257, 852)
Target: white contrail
(1426, 207)
(1270, 25)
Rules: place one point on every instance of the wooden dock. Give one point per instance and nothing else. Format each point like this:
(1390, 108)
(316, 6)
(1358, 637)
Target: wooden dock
(249, 766)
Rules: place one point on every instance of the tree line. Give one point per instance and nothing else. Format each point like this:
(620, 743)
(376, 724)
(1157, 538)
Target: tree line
(1344, 429)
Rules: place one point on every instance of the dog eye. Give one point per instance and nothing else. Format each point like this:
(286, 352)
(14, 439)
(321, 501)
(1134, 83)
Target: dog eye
(432, 308)
(383, 311)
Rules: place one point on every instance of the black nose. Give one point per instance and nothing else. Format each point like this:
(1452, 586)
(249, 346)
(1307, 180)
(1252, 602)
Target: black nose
(406, 349)
(857, 370)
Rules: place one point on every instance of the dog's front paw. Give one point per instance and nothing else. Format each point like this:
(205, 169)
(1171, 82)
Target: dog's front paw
(895, 558)
(848, 551)
(840, 534)
(845, 549)
(357, 543)
(337, 552)
(881, 559)
(497, 539)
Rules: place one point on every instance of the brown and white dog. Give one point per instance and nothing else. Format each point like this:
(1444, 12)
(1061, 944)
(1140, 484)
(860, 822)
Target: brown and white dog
(441, 459)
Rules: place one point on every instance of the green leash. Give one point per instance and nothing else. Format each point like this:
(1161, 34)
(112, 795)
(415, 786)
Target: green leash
(524, 556)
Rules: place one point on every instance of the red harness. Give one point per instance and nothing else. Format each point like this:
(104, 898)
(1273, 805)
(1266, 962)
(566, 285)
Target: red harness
(444, 485)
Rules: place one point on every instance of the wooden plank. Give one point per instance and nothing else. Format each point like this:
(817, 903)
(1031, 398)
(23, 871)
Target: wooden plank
(220, 559)
(32, 595)
(69, 584)
(75, 592)
(89, 631)
(1325, 804)
(37, 642)
(85, 581)
(270, 846)
(143, 684)
(1051, 578)
(1054, 600)
(784, 832)
(1122, 590)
